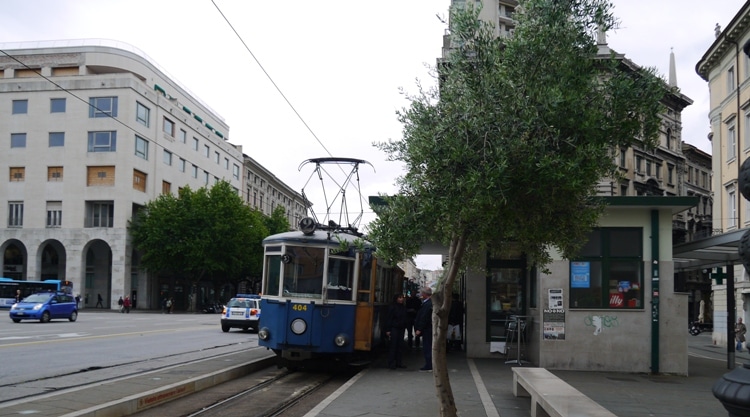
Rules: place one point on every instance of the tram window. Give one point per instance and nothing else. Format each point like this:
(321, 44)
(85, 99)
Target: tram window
(380, 285)
(340, 275)
(273, 275)
(364, 278)
(303, 275)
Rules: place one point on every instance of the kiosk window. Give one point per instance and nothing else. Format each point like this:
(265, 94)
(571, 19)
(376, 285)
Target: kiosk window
(609, 272)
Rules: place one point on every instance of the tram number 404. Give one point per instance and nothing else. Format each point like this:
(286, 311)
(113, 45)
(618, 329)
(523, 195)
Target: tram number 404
(299, 307)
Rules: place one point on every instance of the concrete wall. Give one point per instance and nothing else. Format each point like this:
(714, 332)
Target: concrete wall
(623, 342)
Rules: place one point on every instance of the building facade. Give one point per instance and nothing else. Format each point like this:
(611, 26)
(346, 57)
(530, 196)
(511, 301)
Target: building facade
(265, 192)
(93, 130)
(726, 68)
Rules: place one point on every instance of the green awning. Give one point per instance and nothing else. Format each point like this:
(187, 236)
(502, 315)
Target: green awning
(198, 118)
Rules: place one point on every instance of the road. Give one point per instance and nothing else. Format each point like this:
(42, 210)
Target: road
(40, 357)
(702, 346)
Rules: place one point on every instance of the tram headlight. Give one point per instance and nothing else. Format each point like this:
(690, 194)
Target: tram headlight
(341, 340)
(264, 334)
(298, 326)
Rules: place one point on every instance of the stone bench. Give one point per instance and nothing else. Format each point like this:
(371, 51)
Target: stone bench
(553, 397)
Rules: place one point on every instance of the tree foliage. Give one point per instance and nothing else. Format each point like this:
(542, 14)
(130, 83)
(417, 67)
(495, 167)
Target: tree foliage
(203, 233)
(277, 221)
(511, 145)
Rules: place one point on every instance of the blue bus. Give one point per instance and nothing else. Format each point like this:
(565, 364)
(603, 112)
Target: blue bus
(9, 288)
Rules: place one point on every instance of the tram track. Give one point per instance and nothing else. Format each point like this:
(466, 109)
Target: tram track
(26, 390)
(266, 393)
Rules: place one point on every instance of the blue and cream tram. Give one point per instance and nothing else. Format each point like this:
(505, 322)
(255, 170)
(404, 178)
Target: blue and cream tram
(323, 292)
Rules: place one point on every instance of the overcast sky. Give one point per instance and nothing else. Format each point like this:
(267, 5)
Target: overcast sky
(339, 63)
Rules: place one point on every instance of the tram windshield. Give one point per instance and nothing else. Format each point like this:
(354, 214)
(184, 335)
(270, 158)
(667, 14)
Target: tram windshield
(340, 277)
(303, 271)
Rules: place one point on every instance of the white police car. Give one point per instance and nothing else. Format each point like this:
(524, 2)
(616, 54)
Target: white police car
(241, 312)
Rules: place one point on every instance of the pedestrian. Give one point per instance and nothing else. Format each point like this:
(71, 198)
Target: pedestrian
(423, 327)
(395, 324)
(99, 301)
(121, 303)
(78, 301)
(412, 306)
(170, 305)
(455, 319)
(739, 333)
(164, 305)
(126, 304)
(18, 296)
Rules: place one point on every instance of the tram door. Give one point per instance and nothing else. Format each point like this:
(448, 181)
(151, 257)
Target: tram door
(365, 312)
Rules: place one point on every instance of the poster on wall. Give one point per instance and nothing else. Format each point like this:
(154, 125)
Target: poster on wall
(555, 296)
(553, 322)
(580, 275)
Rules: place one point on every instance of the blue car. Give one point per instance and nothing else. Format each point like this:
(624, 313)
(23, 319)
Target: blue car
(45, 306)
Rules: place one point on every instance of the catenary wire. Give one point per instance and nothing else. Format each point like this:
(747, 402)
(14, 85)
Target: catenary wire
(257, 61)
(247, 48)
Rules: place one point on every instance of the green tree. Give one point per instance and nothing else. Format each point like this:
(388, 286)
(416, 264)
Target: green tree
(277, 221)
(199, 234)
(511, 145)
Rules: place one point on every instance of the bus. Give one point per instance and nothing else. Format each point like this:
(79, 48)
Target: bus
(8, 288)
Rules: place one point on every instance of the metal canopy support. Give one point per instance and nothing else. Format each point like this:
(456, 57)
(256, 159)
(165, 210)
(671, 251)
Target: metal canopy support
(712, 252)
(655, 245)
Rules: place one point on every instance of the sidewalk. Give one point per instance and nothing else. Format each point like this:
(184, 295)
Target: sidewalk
(481, 387)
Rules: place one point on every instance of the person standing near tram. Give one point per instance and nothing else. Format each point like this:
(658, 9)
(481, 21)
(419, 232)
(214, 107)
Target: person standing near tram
(423, 327)
(395, 325)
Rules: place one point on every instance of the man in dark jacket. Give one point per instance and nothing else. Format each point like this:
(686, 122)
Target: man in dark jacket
(423, 327)
(395, 324)
(413, 303)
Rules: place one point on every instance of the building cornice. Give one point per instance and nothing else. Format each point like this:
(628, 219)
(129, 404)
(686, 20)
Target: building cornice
(726, 40)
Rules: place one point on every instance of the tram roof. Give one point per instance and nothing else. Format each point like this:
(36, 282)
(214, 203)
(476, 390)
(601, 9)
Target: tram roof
(321, 237)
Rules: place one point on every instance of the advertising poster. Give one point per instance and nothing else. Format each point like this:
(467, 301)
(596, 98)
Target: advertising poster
(580, 275)
(553, 318)
(555, 298)
(554, 324)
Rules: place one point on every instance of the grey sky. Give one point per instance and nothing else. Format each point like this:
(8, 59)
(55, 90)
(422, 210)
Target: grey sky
(340, 63)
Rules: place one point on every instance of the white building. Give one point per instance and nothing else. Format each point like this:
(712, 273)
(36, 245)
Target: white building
(92, 131)
(265, 192)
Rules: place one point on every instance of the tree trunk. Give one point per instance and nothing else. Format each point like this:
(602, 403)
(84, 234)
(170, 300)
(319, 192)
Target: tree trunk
(441, 306)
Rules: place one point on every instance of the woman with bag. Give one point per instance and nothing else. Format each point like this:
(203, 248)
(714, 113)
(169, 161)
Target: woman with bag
(739, 333)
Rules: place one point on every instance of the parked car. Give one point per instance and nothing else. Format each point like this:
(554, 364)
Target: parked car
(242, 311)
(45, 306)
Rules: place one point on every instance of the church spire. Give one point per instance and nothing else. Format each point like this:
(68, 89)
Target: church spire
(672, 69)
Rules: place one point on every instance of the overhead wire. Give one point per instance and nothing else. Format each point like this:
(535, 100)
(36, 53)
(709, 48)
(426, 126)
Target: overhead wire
(299, 116)
(247, 48)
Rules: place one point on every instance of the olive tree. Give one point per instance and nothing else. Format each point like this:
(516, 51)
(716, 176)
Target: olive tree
(510, 145)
